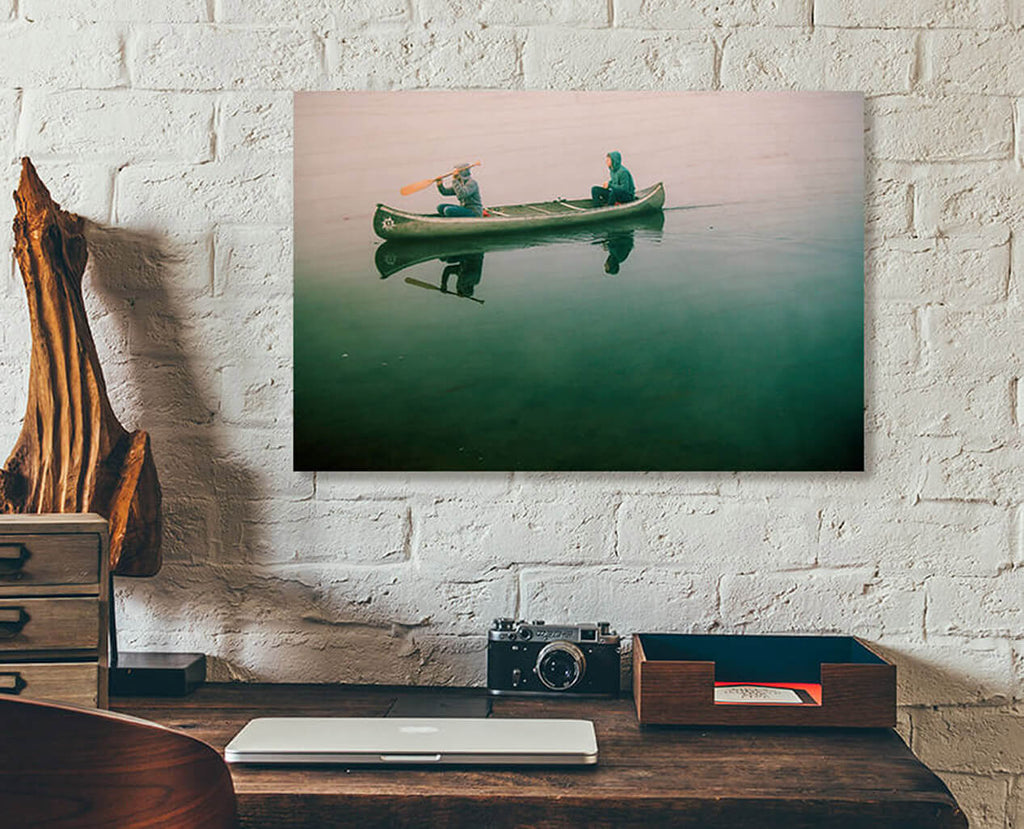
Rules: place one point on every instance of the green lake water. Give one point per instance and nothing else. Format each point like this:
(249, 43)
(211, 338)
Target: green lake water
(730, 337)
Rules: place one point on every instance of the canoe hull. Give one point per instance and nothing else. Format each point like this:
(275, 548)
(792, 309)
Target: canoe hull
(392, 223)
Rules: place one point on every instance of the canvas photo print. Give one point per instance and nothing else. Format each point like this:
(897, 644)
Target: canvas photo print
(579, 281)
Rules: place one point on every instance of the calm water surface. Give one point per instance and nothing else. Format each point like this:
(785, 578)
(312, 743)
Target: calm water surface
(728, 337)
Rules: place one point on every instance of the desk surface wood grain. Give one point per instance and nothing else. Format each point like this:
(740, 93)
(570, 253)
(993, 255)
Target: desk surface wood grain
(646, 777)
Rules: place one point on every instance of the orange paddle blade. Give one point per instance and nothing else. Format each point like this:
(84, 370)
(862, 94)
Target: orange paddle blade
(409, 189)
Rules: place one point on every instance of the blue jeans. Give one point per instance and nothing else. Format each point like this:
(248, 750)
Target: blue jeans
(454, 210)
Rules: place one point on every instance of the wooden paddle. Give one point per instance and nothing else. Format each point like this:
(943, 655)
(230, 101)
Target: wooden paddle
(410, 281)
(409, 189)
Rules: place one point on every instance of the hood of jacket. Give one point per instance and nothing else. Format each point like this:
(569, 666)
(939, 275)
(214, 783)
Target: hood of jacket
(616, 158)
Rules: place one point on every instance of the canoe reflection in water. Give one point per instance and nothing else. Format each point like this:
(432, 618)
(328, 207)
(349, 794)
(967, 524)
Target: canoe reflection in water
(463, 259)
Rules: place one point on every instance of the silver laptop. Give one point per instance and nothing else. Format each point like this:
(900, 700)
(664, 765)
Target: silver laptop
(419, 741)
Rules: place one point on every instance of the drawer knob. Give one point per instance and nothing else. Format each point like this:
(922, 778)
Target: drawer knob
(12, 683)
(12, 559)
(12, 621)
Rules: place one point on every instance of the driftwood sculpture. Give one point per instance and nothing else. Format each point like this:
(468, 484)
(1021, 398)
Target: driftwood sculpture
(73, 455)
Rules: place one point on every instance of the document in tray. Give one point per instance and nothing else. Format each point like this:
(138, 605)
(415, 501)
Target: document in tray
(756, 693)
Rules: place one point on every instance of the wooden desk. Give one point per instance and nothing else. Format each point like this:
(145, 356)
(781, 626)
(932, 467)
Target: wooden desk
(647, 777)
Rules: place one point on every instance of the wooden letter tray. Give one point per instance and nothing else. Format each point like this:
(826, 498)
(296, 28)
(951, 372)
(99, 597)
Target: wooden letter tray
(674, 678)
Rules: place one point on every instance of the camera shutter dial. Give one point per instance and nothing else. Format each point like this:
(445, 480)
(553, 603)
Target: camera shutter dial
(560, 665)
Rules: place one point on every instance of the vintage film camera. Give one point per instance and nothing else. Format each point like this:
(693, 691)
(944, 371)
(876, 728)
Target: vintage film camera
(535, 659)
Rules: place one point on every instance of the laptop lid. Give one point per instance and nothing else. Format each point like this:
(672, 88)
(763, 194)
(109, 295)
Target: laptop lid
(420, 741)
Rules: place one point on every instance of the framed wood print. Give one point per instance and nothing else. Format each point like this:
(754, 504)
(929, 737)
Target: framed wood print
(579, 281)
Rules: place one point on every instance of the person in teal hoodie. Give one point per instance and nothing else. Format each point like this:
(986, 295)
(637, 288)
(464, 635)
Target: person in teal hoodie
(464, 186)
(619, 187)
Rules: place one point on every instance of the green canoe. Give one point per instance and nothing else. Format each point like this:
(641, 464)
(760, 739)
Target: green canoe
(392, 223)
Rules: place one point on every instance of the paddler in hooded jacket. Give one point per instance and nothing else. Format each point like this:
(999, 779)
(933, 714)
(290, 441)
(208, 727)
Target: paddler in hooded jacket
(619, 187)
(464, 186)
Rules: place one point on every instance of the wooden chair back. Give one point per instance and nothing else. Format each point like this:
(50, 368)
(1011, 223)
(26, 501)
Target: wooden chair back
(69, 768)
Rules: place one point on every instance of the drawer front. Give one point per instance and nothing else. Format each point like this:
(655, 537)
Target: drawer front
(39, 625)
(33, 562)
(75, 682)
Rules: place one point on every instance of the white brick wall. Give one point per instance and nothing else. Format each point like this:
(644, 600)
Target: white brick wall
(173, 119)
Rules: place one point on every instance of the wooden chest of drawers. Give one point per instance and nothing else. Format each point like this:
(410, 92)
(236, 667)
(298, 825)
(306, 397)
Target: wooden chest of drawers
(54, 607)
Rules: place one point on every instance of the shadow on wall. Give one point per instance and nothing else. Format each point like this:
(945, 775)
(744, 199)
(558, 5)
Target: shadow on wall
(207, 492)
(213, 595)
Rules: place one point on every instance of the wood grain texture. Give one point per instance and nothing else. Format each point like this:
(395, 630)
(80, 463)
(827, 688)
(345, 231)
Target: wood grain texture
(68, 768)
(43, 625)
(646, 776)
(78, 683)
(682, 693)
(72, 454)
(64, 562)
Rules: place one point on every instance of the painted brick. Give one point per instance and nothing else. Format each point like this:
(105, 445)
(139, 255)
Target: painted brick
(976, 606)
(467, 59)
(946, 128)
(962, 270)
(156, 330)
(668, 14)
(1019, 113)
(10, 103)
(892, 14)
(953, 199)
(983, 798)
(947, 537)
(961, 340)
(632, 599)
(126, 263)
(547, 485)
(254, 124)
(310, 532)
(393, 596)
(888, 200)
(946, 670)
(323, 15)
(189, 525)
(893, 345)
(868, 61)
(59, 55)
(200, 57)
(987, 473)
(253, 259)
(850, 602)
(577, 59)
(944, 406)
(121, 127)
(975, 740)
(711, 535)
(229, 192)
(147, 11)
(481, 537)
(85, 189)
(257, 464)
(353, 486)
(988, 63)
(257, 394)
(457, 13)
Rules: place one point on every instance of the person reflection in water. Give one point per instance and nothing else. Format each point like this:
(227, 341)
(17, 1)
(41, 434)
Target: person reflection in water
(619, 246)
(468, 269)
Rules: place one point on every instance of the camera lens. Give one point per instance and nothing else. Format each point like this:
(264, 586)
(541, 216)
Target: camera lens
(560, 665)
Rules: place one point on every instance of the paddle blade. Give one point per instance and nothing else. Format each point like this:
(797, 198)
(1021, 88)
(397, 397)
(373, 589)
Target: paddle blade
(409, 189)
